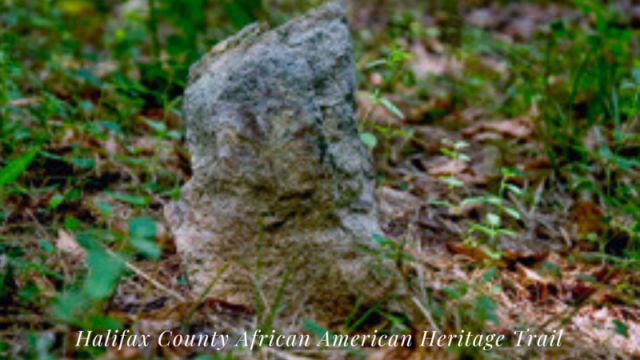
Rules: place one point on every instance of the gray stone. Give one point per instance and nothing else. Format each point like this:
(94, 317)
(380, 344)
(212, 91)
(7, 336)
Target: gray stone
(282, 186)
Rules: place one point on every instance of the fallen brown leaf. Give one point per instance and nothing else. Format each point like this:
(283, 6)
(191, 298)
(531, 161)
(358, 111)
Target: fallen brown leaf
(111, 145)
(448, 168)
(24, 102)
(471, 253)
(424, 63)
(397, 204)
(516, 128)
(537, 286)
(537, 163)
(589, 219)
(526, 259)
(67, 243)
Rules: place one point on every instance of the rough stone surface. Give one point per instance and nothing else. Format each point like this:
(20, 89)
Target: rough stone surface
(282, 187)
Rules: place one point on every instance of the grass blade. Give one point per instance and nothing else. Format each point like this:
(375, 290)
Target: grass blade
(16, 167)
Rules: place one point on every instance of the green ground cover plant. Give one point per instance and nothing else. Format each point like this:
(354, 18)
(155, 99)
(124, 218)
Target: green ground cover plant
(92, 148)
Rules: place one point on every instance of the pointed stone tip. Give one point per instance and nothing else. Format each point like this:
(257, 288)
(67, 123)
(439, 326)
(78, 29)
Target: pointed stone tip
(326, 12)
(248, 32)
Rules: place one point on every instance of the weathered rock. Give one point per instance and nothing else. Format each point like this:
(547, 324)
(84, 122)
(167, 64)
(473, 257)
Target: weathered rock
(282, 185)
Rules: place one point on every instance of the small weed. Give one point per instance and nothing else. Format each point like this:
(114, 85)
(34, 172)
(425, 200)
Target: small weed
(494, 222)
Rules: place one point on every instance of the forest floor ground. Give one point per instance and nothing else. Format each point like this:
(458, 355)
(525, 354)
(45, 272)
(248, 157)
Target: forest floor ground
(525, 217)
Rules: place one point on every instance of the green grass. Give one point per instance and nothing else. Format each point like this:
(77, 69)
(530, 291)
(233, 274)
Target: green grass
(91, 144)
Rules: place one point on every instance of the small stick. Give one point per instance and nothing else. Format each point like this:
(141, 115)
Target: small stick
(148, 278)
(426, 313)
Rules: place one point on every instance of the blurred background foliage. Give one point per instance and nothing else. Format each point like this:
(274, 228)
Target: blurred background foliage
(91, 137)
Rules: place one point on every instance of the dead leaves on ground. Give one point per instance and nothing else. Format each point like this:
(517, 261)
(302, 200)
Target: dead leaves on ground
(535, 281)
(23, 102)
(455, 167)
(67, 243)
(196, 317)
(588, 219)
(587, 300)
(519, 128)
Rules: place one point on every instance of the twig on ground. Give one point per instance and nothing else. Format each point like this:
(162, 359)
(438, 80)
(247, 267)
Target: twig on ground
(426, 313)
(149, 278)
